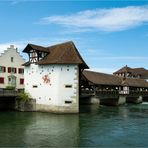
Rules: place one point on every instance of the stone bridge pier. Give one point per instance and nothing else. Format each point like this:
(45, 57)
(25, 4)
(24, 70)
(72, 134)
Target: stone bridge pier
(111, 98)
(134, 99)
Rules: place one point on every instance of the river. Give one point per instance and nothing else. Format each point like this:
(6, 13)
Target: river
(124, 126)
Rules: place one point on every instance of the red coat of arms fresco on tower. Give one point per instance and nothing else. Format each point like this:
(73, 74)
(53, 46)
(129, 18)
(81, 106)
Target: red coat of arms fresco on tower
(46, 79)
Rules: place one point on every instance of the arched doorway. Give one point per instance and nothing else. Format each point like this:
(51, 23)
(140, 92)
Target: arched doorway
(12, 80)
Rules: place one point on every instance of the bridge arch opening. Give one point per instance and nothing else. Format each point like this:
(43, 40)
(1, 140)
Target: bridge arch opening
(7, 103)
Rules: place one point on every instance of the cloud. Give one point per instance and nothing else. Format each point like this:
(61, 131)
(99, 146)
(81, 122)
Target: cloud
(124, 58)
(113, 19)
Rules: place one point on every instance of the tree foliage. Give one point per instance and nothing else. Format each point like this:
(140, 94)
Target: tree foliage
(22, 96)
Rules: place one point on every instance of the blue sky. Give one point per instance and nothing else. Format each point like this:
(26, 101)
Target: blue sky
(108, 34)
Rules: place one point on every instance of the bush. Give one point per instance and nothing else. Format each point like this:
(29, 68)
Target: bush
(10, 88)
(22, 96)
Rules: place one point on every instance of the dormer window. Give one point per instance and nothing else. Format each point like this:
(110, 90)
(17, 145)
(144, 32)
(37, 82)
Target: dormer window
(33, 56)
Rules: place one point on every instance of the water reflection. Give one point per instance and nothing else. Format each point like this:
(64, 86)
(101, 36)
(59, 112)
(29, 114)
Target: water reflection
(53, 130)
(124, 126)
(38, 130)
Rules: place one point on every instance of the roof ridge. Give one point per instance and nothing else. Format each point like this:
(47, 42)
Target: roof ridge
(59, 44)
(100, 73)
(79, 54)
(36, 45)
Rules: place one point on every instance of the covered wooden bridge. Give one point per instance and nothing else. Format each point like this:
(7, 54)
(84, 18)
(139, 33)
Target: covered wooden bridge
(111, 90)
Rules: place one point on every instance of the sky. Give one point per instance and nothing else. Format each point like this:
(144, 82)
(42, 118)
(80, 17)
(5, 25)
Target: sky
(108, 34)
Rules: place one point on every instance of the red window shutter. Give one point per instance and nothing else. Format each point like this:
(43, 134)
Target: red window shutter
(14, 70)
(4, 69)
(19, 70)
(21, 81)
(9, 69)
(1, 80)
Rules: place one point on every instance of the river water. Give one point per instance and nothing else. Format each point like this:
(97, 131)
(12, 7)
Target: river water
(124, 126)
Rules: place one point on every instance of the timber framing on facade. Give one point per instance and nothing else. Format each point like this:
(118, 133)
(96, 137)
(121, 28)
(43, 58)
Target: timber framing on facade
(132, 72)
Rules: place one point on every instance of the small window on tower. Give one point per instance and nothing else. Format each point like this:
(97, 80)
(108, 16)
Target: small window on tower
(12, 59)
(68, 102)
(34, 86)
(68, 86)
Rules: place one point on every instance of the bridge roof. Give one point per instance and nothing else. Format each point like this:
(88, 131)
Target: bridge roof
(102, 78)
(136, 82)
(98, 78)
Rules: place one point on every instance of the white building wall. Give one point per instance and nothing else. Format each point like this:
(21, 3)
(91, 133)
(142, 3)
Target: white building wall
(62, 85)
(5, 60)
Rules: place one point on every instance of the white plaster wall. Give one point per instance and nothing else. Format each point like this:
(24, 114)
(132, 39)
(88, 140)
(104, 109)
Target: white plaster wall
(52, 93)
(5, 60)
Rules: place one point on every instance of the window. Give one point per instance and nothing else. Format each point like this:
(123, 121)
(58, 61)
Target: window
(11, 70)
(2, 69)
(22, 81)
(1, 80)
(34, 86)
(9, 79)
(68, 102)
(68, 86)
(12, 59)
(20, 70)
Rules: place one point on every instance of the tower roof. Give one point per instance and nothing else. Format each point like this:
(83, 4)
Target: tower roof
(64, 53)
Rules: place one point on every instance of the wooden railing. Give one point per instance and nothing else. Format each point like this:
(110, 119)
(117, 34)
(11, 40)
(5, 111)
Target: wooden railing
(114, 92)
(134, 92)
(99, 92)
